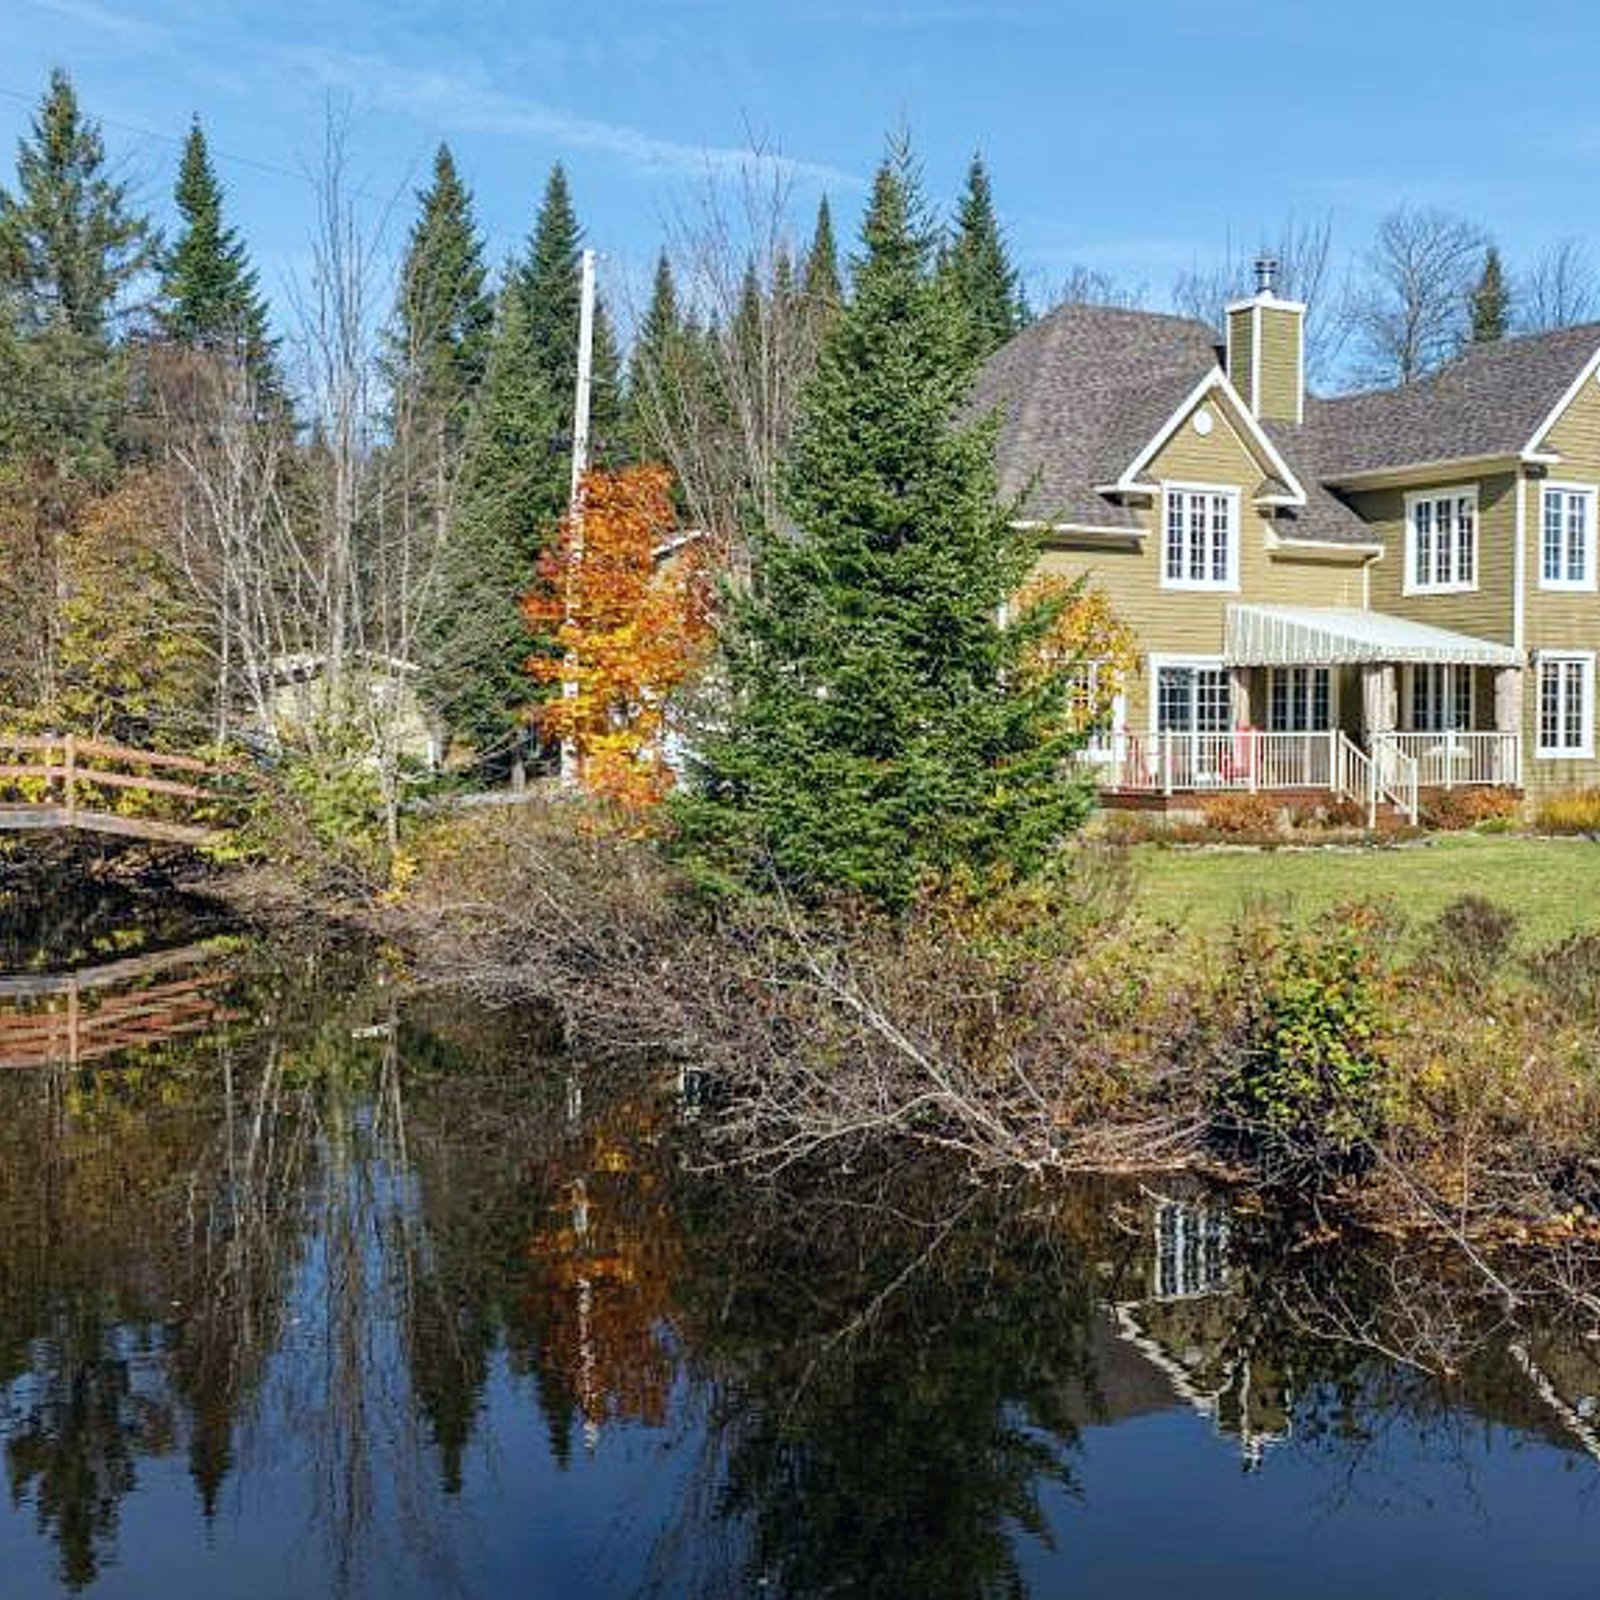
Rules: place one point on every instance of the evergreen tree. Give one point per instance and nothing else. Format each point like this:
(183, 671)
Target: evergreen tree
(823, 288)
(882, 726)
(656, 364)
(477, 647)
(444, 318)
(209, 295)
(70, 246)
(1491, 302)
(978, 270)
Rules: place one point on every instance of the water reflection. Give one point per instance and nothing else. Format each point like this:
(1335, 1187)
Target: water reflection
(334, 1296)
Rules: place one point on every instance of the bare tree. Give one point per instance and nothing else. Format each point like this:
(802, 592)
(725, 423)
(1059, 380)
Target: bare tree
(1410, 312)
(1559, 290)
(1304, 253)
(1087, 286)
(722, 412)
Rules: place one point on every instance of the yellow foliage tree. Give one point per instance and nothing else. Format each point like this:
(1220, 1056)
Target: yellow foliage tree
(625, 627)
(1088, 636)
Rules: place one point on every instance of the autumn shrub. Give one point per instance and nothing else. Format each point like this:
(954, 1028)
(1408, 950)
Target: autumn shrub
(1238, 815)
(1452, 810)
(1576, 811)
(1305, 1083)
(1568, 972)
(1468, 944)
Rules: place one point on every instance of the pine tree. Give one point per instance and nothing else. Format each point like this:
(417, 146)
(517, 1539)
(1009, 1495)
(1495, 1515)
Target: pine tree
(978, 270)
(438, 344)
(477, 646)
(70, 246)
(823, 289)
(1491, 302)
(881, 726)
(209, 295)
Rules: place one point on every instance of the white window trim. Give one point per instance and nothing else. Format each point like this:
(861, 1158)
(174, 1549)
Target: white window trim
(1408, 582)
(1235, 540)
(1586, 659)
(1335, 681)
(1154, 664)
(1587, 584)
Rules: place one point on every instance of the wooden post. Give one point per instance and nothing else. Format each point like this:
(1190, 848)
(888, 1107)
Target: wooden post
(70, 765)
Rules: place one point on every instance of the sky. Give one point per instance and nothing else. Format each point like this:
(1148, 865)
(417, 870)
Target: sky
(1139, 140)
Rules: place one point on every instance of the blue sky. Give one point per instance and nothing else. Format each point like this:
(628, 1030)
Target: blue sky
(1137, 139)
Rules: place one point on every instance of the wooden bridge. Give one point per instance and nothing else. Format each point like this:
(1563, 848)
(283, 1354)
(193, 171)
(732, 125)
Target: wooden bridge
(53, 782)
(71, 1018)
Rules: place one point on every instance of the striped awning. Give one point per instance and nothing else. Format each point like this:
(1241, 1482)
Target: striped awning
(1326, 636)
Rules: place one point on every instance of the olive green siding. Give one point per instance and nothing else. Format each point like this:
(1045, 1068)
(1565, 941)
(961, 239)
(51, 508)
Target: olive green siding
(1241, 352)
(1193, 622)
(1279, 363)
(1560, 619)
(1486, 612)
(1282, 365)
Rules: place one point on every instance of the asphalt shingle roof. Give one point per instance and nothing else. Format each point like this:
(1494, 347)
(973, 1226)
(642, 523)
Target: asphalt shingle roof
(1081, 391)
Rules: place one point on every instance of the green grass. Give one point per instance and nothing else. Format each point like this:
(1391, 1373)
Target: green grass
(1552, 884)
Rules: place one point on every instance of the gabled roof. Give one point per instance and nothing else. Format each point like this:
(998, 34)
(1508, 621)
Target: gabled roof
(1494, 401)
(1080, 392)
(1085, 391)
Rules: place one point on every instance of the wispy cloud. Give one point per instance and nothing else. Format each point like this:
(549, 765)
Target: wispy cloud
(92, 14)
(451, 100)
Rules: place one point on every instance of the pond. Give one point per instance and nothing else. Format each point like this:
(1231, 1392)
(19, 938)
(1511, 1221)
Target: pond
(307, 1291)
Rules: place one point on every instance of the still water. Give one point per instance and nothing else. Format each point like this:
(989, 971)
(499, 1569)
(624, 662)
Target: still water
(306, 1292)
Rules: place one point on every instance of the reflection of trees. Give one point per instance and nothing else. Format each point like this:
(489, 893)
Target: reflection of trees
(892, 1382)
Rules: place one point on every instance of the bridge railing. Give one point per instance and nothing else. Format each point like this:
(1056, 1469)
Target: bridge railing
(67, 780)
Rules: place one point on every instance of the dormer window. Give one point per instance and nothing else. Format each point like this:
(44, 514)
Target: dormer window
(1442, 541)
(1200, 536)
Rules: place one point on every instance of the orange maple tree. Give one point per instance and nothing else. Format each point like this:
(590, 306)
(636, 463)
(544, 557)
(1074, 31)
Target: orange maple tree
(626, 626)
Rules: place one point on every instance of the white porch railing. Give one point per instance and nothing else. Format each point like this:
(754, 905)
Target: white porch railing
(1456, 760)
(1248, 759)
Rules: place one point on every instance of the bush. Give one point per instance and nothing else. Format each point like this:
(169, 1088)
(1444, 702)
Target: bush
(1569, 973)
(1468, 943)
(1576, 811)
(1236, 815)
(1306, 1085)
(1451, 810)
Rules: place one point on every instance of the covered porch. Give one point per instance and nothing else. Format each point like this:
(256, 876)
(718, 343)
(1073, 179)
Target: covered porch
(1304, 701)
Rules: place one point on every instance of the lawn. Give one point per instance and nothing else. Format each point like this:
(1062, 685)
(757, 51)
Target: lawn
(1552, 884)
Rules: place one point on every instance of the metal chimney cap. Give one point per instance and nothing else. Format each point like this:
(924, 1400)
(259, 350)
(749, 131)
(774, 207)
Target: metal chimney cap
(1266, 276)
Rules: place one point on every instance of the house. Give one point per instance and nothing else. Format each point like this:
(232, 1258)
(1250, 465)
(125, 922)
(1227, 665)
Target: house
(1363, 597)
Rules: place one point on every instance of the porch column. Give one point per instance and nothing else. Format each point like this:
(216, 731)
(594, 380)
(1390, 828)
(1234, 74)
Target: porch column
(1243, 710)
(1380, 700)
(1508, 720)
(1508, 700)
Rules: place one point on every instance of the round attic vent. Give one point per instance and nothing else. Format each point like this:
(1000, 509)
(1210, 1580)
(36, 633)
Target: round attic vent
(1203, 422)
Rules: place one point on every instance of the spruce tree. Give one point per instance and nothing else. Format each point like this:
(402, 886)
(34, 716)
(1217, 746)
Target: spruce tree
(823, 288)
(70, 244)
(1491, 302)
(438, 344)
(978, 271)
(882, 727)
(655, 365)
(209, 295)
(477, 646)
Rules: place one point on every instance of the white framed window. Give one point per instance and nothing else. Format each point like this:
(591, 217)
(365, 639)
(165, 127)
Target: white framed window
(1089, 691)
(1566, 705)
(1443, 699)
(1199, 536)
(1567, 537)
(1299, 699)
(1192, 696)
(1442, 541)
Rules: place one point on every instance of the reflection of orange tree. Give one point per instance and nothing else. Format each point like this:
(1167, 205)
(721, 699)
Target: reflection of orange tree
(605, 1269)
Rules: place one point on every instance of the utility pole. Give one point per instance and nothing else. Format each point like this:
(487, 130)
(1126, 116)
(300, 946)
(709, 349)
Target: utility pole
(580, 465)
